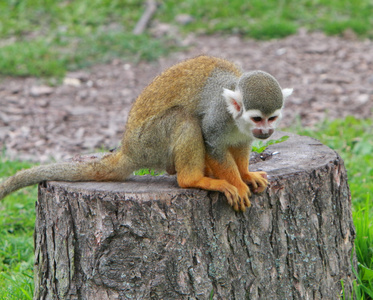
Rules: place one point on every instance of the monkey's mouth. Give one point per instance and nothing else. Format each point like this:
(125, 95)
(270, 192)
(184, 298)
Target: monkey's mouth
(261, 134)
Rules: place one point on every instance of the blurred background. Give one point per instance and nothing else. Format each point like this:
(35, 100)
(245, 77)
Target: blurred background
(70, 70)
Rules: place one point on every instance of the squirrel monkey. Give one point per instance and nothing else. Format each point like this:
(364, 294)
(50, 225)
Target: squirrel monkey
(197, 120)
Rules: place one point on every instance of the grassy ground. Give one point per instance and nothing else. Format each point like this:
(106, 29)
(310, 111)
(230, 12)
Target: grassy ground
(17, 219)
(46, 38)
(272, 18)
(352, 139)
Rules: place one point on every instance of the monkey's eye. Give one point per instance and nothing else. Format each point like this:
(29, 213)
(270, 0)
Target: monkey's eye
(256, 119)
(272, 118)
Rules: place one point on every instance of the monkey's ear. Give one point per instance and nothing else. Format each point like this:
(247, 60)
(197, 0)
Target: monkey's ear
(287, 92)
(234, 102)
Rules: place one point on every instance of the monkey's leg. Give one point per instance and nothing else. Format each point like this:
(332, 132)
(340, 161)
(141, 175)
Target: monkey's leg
(228, 171)
(189, 159)
(257, 180)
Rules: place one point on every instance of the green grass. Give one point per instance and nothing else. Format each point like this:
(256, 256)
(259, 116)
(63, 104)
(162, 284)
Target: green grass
(43, 58)
(151, 172)
(17, 220)
(259, 146)
(272, 18)
(352, 139)
(46, 38)
(364, 250)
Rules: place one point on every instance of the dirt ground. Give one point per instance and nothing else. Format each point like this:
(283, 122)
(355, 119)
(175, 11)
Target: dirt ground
(331, 76)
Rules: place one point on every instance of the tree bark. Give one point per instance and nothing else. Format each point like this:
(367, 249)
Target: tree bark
(149, 239)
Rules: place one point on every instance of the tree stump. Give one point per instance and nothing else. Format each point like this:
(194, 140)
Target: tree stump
(149, 239)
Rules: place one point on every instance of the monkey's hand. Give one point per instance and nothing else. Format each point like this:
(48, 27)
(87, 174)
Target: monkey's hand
(256, 180)
(239, 199)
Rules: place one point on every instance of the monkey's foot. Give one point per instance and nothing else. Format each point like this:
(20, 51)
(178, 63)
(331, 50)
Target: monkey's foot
(256, 180)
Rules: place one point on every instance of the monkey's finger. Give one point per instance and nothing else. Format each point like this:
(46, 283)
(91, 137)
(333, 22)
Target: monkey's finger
(231, 194)
(261, 178)
(255, 179)
(264, 178)
(263, 174)
(244, 197)
(236, 207)
(231, 199)
(261, 188)
(243, 204)
(247, 201)
(262, 183)
(253, 184)
(236, 201)
(248, 192)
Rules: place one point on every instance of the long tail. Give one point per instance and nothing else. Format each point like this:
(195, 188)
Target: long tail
(111, 167)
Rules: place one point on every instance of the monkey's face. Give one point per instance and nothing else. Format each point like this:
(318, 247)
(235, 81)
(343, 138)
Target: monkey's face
(263, 126)
(253, 122)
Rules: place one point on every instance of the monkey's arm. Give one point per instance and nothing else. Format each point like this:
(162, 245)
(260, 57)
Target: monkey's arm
(228, 170)
(191, 166)
(256, 180)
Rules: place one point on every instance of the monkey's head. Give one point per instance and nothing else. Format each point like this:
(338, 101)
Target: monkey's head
(256, 103)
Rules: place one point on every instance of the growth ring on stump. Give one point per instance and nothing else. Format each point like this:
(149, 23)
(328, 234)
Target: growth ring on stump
(149, 239)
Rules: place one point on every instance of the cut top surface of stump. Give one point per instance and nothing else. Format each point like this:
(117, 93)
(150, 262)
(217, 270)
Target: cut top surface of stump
(297, 154)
